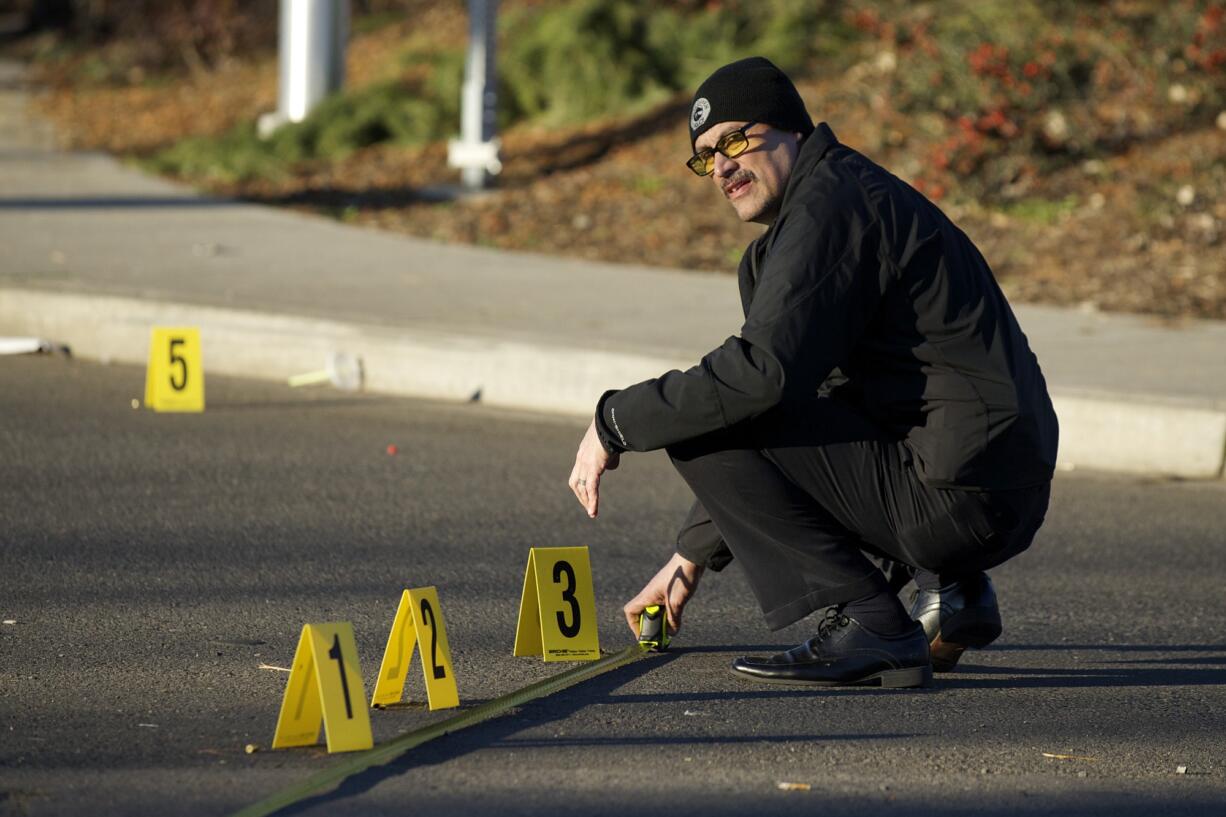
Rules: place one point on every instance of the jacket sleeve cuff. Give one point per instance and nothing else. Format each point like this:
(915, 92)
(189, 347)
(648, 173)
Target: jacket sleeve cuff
(606, 430)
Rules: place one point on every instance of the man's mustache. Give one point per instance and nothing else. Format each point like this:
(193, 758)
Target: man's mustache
(735, 179)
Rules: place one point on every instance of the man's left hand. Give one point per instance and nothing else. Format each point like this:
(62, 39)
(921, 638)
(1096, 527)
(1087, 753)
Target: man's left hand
(590, 462)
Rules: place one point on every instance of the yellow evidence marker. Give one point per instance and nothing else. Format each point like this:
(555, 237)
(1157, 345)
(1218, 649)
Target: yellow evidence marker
(557, 613)
(325, 683)
(174, 379)
(419, 620)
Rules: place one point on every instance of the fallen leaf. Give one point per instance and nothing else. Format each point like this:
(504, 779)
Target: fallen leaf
(793, 786)
(276, 669)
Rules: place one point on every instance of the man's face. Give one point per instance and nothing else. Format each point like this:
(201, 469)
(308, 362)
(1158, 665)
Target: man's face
(755, 180)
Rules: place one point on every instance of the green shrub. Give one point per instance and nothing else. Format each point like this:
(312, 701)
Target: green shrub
(397, 112)
(593, 57)
(585, 59)
(234, 156)
(561, 63)
(389, 112)
(788, 32)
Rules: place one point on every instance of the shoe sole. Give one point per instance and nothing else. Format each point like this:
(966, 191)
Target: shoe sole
(886, 679)
(954, 639)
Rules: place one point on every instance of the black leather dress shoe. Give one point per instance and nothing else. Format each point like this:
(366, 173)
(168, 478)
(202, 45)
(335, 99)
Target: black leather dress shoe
(845, 653)
(956, 617)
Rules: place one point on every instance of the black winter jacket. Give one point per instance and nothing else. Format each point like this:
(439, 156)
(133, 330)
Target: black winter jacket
(862, 274)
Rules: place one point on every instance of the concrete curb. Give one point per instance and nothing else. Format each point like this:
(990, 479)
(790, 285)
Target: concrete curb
(1141, 435)
(270, 346)
(1113, 432)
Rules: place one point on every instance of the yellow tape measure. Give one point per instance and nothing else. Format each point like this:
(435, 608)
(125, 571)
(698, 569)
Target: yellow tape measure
(393, 749)
(653, 628)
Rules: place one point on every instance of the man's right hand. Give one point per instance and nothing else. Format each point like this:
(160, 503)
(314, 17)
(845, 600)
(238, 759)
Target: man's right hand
(672, 587)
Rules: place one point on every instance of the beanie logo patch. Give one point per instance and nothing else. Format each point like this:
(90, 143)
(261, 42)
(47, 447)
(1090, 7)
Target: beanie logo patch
(702, 109)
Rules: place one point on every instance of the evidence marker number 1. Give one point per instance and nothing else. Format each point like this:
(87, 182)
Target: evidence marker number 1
(324, 685)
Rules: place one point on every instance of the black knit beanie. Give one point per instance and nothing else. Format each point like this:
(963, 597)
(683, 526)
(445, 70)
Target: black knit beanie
(752, 89)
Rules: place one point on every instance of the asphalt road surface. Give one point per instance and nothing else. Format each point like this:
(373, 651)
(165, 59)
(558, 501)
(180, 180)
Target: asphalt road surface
(151, 563)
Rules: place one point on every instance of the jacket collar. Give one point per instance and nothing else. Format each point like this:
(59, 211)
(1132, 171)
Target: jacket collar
(817, 143)
(814, 148)
(812, 151)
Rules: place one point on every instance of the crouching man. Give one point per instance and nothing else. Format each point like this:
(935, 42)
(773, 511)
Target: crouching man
(879, 419)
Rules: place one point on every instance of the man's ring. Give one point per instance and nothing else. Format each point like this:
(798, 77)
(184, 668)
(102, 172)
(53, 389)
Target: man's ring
(583, 482)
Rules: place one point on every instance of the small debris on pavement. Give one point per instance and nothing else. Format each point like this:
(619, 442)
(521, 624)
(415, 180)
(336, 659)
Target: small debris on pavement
(251, 748)
(793, 786)
(207, 249)
(148, 725)
(1181, 770)
(31, 346)
(392, 449)
(1055, 756)
(275, 668)
(10, 621)
(692, 712)
(344, 371)
(135, 404)
(19, 346)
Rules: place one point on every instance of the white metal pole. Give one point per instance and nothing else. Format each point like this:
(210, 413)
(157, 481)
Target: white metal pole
(476, 152)
(311, 45)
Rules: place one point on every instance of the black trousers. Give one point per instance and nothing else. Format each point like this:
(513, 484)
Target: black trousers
(821, 507)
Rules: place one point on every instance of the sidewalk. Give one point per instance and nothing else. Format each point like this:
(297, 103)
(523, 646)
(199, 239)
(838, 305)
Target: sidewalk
(93, 253)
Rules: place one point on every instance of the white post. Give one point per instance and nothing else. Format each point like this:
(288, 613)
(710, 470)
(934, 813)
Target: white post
(311, 45)
(476, 152)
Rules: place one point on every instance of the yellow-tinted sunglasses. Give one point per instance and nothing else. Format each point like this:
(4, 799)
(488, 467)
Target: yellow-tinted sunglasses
(732, 143)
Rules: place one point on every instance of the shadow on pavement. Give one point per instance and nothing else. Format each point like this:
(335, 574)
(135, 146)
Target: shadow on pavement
(496, 733)
(1113, 647)
(689, 740)
(1032, 677)
(1217, 659)
(739, 649)
(351, 401)
(753, 691)
(111, 202)
(481, 735)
